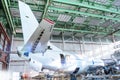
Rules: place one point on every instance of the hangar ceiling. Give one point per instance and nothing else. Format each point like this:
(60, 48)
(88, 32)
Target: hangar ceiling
(90, 18)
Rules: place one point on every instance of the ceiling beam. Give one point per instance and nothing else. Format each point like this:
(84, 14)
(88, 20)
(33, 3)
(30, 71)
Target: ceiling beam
(46, 8)
(112, 33)
(82, 13)
(83, 31)
(8, 15)
(87, 6)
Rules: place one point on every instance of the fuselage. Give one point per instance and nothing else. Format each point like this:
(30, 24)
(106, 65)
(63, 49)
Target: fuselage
(61, 61)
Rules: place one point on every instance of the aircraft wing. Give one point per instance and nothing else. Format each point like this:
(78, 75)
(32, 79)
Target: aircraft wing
(35, 35)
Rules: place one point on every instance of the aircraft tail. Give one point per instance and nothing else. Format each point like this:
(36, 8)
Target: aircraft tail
(36, 36)
(28, 21)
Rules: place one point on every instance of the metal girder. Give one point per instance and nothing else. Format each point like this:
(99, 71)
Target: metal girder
(82, 13)
(7, 13)
(33, 9)
(8, 2)
(112, 32)
(46, 8)
(15, 5)
(83, 31)
(87, 6)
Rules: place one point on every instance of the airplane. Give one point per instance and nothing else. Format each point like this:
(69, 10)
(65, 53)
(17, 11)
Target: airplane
(44, 55)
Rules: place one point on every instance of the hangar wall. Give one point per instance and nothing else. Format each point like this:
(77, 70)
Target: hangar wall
(80, 47)
(19, 63)
(15, 60)
(89, 46)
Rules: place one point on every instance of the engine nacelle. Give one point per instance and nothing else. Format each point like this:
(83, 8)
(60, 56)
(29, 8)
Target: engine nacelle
(35, 65)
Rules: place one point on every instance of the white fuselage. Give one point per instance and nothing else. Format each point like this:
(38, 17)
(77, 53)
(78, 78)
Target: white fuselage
(69, 63)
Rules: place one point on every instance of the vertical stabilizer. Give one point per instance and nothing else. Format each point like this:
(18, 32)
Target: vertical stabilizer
(36, 36)
(28, 21)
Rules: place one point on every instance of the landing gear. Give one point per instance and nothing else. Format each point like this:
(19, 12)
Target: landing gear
(73, 77)
(110, 70)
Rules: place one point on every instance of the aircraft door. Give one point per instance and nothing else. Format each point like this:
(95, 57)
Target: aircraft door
(62, 57)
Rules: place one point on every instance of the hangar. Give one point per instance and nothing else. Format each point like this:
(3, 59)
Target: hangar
(85, 33)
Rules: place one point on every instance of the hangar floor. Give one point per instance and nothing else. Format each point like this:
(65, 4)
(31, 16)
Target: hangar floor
(62, 77)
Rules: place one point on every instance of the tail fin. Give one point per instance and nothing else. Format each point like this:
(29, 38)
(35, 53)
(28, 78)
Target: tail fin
(36, 35)
(28, 20)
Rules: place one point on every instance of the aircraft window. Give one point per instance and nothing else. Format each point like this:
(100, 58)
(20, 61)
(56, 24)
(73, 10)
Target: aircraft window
(27, 16)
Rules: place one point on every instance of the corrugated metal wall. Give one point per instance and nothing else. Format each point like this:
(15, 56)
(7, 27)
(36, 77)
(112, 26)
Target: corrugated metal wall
(17, 64)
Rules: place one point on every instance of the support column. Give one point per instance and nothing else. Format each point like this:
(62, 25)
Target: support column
(83, 43)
